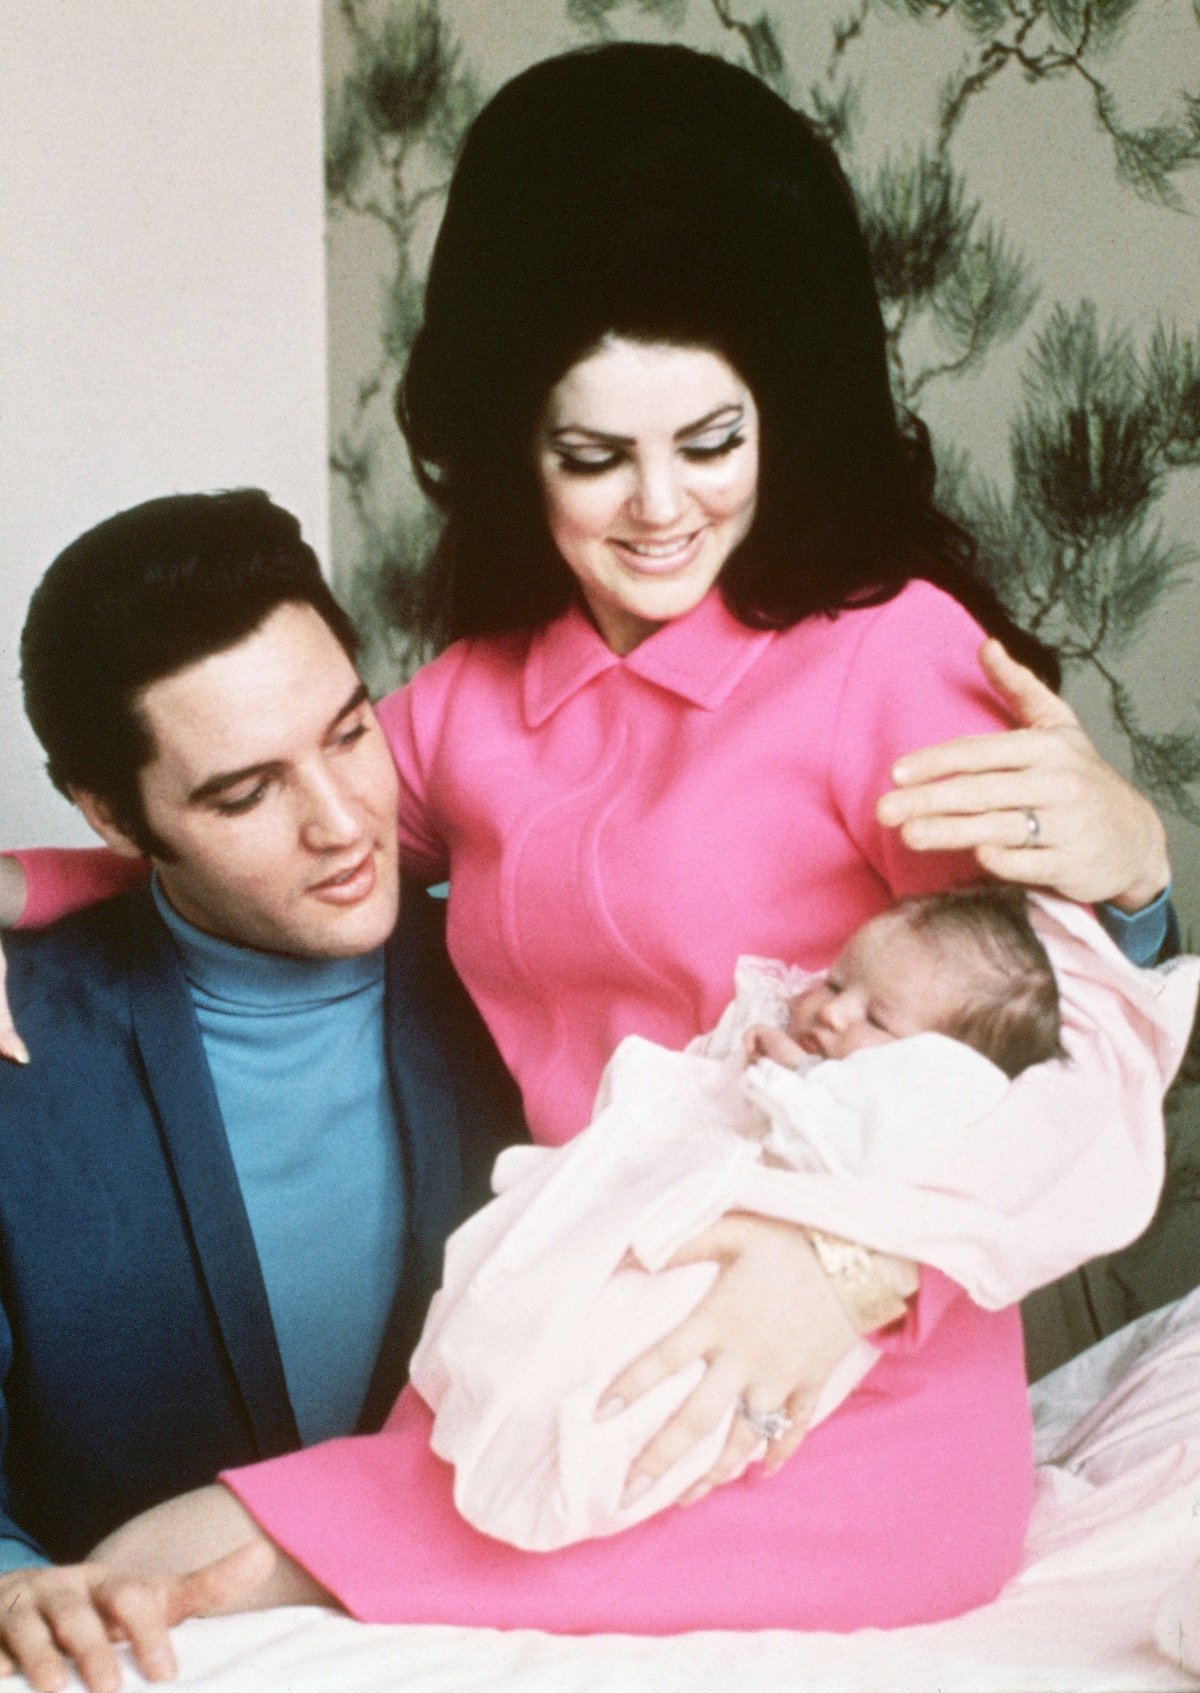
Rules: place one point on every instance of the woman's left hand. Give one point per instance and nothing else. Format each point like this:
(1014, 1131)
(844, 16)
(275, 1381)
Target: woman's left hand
(1036, 805)
(770, 1329)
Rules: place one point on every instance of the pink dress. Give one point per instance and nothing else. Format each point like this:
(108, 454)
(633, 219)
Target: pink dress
(618, 831)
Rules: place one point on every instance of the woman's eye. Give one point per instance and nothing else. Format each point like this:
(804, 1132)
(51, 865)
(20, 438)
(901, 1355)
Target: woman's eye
(573, 466)
(715, 450)
(348, 737)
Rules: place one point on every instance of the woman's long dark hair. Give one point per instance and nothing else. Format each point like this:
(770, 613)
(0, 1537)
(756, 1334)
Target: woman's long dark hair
(667, 196)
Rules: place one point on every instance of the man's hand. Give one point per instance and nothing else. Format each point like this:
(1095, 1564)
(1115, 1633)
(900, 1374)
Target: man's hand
(771, 1330)
(1093, 836)
(73, 1614)
(12, 904)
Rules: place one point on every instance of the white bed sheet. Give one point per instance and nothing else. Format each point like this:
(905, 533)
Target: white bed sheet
(1116, 1527)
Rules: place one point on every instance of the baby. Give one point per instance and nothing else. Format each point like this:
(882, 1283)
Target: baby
(966, 963)
(545, 1297)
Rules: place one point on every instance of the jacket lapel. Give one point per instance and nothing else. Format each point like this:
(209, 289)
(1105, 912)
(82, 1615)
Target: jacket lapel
(195, 1146)
(430, 1131)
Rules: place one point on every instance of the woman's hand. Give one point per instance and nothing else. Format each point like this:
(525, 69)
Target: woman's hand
(1036, 805)
(771, 1330)
(12, 904)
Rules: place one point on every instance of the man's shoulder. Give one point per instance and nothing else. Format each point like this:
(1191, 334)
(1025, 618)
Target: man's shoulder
(80, 961)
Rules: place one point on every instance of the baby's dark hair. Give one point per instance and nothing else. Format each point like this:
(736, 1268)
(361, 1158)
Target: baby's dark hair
(1013, 1016)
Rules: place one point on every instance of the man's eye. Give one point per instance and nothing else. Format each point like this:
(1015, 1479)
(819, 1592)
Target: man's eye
(243, 802)
(355, 733)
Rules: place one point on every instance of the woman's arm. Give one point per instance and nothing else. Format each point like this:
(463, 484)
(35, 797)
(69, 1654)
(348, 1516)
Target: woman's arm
(38, 885)
(776, 1322)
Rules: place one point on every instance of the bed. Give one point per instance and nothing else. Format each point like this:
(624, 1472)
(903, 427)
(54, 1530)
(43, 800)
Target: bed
(1108, 1599)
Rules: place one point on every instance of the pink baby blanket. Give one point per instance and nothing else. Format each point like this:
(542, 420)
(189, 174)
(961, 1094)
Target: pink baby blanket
(920, 1148)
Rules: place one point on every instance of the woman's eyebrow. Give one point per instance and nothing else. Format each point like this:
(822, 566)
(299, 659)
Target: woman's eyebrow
(732, 413)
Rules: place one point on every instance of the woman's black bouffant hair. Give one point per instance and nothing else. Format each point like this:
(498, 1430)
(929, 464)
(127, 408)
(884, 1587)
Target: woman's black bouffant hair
(664, 195)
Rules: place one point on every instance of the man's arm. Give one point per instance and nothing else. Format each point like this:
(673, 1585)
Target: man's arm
(53, 1615)
(39, 1601)
(199, 1555)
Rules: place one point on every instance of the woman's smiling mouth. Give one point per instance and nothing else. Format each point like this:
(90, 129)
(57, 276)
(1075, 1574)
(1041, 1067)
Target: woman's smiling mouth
(655, 558)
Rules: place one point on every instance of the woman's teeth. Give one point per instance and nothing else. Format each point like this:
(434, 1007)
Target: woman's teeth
(659, 549)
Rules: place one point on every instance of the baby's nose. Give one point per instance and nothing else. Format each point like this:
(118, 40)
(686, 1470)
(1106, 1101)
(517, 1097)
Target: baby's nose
(839, 1011)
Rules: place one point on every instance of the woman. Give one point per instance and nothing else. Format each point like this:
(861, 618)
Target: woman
(701, 603)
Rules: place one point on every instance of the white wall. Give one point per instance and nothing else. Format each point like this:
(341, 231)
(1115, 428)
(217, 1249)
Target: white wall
(161, 287)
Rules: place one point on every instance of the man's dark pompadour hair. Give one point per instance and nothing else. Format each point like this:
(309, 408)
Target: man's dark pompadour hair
(143, 595)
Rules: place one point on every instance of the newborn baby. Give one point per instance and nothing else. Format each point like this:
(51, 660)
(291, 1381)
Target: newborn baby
(875, 1073)
(966, 963)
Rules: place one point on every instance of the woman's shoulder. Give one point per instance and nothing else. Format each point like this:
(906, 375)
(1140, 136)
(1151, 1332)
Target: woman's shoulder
(929, 612)
(913, 661)
(921, 626)
(487, 662)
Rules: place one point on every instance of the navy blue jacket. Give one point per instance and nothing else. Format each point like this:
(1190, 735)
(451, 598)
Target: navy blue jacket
(137, 1353)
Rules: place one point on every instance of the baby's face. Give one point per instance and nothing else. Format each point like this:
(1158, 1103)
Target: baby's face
(888, 982)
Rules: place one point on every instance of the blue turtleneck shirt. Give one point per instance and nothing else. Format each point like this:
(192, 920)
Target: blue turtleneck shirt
(296, 1051)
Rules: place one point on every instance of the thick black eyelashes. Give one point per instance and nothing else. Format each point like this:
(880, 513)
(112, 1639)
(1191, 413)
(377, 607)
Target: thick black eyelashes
(598, 467)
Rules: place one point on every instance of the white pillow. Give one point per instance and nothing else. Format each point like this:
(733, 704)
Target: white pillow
(1126, 1399)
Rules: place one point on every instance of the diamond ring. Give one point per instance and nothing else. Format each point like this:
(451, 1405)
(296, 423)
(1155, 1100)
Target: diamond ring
(772, 1425)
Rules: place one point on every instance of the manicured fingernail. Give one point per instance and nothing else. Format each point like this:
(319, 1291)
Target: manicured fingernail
(14, 1047)
(609, 1408)
(637, 1489)
(694, 1495)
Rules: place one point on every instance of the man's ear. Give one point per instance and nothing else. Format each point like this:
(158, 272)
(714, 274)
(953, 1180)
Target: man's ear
(100, 815)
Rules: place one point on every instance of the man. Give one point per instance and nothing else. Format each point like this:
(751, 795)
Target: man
(253, 1111)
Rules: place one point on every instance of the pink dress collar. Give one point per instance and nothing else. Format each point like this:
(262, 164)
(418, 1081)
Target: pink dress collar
(700, 658)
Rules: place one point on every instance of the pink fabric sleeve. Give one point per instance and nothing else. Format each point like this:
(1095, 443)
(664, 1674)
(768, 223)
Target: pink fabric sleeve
(411, 720)
(914, 681)
(60, 880)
